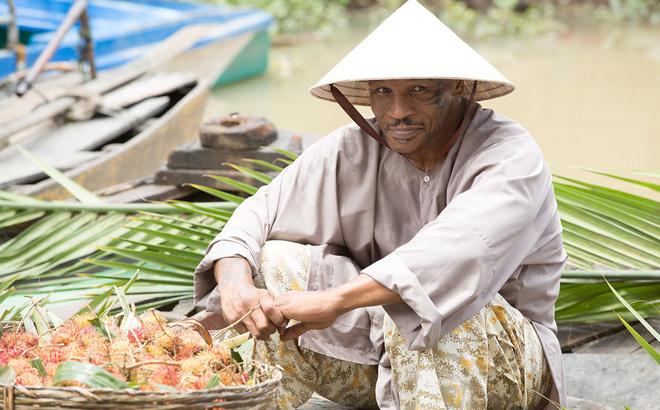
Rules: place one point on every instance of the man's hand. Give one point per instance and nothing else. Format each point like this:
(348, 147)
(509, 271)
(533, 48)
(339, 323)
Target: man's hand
(315, 310)
(238, 296)
(318, 310)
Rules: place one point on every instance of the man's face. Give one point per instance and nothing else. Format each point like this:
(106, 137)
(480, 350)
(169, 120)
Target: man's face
(412, 113)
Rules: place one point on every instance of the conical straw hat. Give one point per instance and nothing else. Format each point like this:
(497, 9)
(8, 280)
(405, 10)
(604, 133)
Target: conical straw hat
(411, 43)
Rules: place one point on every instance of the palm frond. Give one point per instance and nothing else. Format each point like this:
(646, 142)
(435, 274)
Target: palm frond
(607, 233)
(264, 164)
(79, 192)
(225, 196)
(645, 184)
(641, 340)
(593, 301)
(288, 154)
(259, 176)
(241, 186)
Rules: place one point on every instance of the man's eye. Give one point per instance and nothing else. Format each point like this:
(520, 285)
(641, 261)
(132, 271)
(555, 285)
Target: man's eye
(382, 90)
(419, 89)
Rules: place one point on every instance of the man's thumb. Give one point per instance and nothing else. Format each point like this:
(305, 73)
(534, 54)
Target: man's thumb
(294, 332)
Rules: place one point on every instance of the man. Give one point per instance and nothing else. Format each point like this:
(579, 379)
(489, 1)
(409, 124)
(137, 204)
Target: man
(418, 253)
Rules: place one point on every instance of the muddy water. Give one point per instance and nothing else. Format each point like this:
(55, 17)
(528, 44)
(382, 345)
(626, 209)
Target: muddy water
(590, 97)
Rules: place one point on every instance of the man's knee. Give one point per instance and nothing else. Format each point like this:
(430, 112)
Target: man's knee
(284, 266)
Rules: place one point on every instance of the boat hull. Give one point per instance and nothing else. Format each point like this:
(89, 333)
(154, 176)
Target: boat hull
(121, 33)
(142, 155)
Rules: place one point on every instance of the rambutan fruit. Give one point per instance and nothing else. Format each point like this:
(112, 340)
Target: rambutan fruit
(14, 344)
(164, 374)
(189, 343)
(26, 375)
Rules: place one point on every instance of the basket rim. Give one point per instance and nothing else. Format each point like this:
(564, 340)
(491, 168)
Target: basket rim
(277, 377)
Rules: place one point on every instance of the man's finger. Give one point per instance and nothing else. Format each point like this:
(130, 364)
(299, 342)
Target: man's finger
(294, 332)
(264, 326)
(251, 327)
(239, 327)
(273, 313)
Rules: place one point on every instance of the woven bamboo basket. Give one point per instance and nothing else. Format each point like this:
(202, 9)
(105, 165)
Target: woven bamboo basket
(258, 396)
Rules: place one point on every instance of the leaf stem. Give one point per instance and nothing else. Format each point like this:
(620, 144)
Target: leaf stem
(239, 320)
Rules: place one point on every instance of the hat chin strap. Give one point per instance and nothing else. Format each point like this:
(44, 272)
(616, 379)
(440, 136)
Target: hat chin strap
(366, 127)
(356, 116)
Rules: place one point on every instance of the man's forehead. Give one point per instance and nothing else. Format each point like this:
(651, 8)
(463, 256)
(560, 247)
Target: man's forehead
(411, 81)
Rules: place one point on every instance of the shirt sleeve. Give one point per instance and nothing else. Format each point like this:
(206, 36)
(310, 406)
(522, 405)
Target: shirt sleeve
(298, 205)
(456, 263)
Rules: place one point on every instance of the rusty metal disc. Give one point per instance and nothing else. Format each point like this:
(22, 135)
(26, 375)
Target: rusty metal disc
(237, 132)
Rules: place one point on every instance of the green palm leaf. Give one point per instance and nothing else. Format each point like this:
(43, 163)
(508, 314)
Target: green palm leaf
(634, 312)
(241, 186)
(259, 176)
(75, 189)
(607, 232)
(225, 196)
(645, 184)
(264, 164)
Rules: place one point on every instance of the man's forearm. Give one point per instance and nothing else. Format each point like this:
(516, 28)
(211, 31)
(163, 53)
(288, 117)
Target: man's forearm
(363, 291)
(232, 271)
(319, 309)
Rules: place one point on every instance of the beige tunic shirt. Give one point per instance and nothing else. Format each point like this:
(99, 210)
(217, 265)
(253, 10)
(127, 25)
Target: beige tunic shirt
(483, 221)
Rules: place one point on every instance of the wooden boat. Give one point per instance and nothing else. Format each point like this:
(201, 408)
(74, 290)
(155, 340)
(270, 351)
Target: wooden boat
(103, 132)
(123, 30)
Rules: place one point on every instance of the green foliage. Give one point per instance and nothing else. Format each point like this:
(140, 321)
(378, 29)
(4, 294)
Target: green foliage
(300, 16)
(76, 190)
(591, 301)
(630, 11)
(639, 338)
(7, 375)
(214, 381)
(607, 232)
(87, 374)
(39, 365)
(501, 19)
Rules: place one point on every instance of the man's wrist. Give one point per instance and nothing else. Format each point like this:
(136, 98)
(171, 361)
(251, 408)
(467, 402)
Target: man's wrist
(362, 291)
(342, 299)
(232, 271)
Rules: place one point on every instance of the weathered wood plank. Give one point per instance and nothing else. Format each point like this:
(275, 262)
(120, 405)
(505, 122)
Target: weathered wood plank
(157, 56)
(49, 88)
(572, 336)
(62, 147)
(152, 86)
(148, 192)
(15, 172)
(198, 176)
(91, 135)
(141, 155)
(622, 342)
(194, 156)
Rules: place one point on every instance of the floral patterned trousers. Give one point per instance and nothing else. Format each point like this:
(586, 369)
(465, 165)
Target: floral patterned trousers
(494, 360)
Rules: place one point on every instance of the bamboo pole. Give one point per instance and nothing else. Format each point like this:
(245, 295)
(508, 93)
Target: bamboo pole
(12, 29)
(79, 6)
(87, 45)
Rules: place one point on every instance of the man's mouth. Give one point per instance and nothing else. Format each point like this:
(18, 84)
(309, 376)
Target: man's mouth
(403, 134)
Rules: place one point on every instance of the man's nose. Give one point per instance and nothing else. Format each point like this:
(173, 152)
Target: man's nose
(401, 107)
